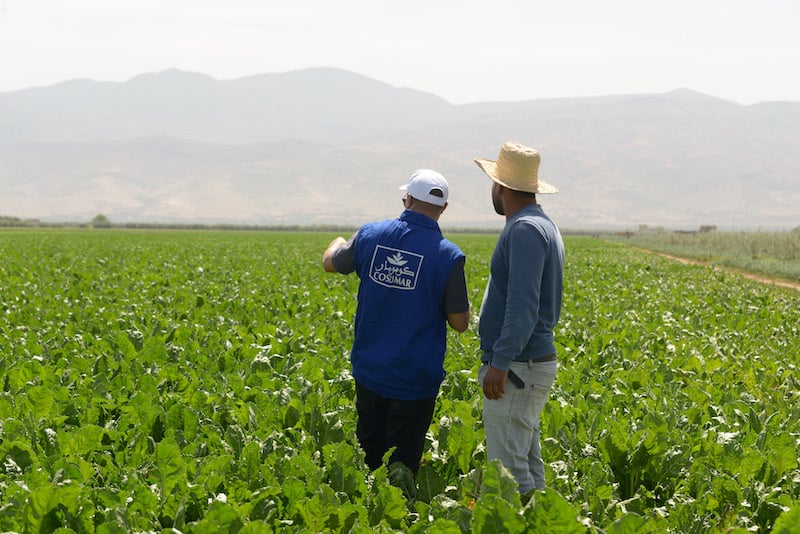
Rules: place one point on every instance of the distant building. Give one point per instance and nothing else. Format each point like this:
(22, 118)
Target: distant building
(648, 229)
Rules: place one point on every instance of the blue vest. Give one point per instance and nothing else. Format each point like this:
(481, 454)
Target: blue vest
(400, 325)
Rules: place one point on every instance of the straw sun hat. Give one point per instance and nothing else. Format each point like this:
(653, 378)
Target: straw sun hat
(517, 168)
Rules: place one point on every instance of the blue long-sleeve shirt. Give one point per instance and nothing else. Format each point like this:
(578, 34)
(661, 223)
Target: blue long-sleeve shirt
(522, 303)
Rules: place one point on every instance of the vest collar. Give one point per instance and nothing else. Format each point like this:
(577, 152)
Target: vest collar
(418, 219)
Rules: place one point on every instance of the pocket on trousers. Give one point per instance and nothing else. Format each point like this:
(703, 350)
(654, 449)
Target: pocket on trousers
(543, 382)
(482, 373)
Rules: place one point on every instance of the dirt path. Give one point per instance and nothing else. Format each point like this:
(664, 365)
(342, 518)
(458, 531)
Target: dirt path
(752, 276)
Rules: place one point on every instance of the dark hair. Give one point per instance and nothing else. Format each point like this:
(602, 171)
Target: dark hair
(522, 194)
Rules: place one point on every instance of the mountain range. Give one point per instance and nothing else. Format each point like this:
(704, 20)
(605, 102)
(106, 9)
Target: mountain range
(326, 146)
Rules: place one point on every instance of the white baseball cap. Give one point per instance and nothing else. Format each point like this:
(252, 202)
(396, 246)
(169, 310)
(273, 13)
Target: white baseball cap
(428, 186)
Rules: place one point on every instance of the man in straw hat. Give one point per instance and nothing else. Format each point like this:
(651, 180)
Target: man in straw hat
(412, 285)
(520, 309)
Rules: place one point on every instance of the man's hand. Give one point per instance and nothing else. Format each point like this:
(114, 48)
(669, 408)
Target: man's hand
(494, 383)
(327, 263)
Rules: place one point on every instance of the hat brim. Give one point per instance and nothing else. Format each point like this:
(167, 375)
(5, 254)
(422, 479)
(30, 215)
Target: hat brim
(490, 168)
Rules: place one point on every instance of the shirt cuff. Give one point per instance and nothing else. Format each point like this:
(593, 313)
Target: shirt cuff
(498, 362)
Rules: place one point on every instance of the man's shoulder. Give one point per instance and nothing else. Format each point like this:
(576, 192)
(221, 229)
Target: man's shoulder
(447, 245)
(375, 228)
(382, 225)
(534, 219)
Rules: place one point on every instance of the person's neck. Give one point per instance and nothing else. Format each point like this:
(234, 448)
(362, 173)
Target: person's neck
(517, 206)
(430, 213)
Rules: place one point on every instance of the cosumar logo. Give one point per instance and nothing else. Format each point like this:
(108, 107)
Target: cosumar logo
(395, 268)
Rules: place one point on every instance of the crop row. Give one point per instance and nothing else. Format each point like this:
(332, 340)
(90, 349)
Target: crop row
(200, 381)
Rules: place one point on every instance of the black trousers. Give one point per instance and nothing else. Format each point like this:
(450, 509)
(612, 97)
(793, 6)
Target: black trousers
(384, 423)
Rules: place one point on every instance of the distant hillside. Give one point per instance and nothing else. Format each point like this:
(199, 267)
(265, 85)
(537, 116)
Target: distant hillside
(326, 146)
(315, 105)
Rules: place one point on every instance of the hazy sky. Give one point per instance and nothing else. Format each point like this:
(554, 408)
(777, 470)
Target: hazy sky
(461, 50)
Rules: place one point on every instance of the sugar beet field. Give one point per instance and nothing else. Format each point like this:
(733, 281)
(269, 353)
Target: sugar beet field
(180, 381)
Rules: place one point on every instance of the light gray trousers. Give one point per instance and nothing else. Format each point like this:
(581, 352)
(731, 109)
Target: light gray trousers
(512, 422)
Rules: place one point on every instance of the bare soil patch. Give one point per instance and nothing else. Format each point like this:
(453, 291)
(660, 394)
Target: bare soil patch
(752, 276)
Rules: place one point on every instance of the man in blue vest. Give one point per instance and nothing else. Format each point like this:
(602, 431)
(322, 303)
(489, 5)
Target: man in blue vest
(412, 285)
